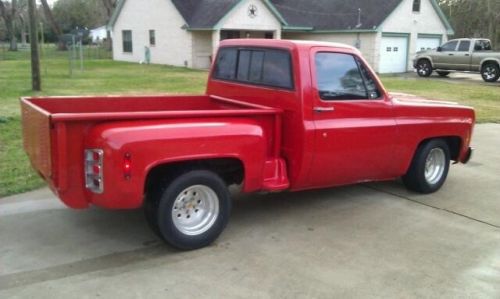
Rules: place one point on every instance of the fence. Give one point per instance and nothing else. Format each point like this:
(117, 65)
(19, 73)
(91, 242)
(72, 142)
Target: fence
(50, 51)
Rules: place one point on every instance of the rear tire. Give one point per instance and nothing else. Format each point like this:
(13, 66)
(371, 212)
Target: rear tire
(443, 74)
(424, 68)
(490, 72)
(429, 168)
(192, 210)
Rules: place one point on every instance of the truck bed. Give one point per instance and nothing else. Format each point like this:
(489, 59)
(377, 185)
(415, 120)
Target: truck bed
(54, 127)
(130, 107)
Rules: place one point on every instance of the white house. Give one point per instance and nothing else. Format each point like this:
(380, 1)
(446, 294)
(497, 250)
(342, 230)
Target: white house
(98, 34)
(187, 32)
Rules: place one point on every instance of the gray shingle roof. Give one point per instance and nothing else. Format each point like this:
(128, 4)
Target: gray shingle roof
(203, 13)
(318, 14)
(335, 14)
(313, 15)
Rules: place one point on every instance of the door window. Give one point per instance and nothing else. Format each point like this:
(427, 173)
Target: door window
(464, 46)
(343, 77)
(450, 46)
(482, 45)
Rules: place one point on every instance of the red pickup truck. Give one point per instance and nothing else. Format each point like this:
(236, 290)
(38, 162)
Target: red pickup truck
(277, 115)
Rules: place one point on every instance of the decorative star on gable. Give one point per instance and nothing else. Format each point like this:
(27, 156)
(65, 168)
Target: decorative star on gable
(252, 11)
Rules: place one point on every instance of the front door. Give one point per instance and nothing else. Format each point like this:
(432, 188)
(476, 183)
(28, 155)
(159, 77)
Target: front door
(355, 130)
(445, 59)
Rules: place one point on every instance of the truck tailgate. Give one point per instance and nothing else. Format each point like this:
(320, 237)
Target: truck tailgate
(36, 137)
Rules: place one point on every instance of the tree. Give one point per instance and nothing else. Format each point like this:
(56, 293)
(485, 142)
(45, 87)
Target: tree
(8, 12)
(110, 6)
(71, 14)
(474, 18)
(50, 18)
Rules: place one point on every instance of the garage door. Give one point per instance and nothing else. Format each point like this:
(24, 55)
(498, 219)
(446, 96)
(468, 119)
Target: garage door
(427, 43)
(393, 55)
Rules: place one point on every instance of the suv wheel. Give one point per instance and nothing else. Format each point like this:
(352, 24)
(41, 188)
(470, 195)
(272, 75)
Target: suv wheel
(424, 68)
(490, 72)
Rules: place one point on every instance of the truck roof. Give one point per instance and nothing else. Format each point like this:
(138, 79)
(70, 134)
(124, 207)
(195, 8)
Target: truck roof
(281, 43)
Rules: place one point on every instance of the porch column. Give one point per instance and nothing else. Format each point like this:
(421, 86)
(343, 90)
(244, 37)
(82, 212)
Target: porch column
(277, 34)
(215, 40)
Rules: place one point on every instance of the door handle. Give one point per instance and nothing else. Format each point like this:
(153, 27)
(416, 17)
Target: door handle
(467, 54)
(323, 109)
(450, 54)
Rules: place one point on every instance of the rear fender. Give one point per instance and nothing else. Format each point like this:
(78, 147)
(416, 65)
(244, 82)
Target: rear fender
(155, 143)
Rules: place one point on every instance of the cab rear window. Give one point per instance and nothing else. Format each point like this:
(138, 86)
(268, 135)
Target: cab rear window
(268, 67)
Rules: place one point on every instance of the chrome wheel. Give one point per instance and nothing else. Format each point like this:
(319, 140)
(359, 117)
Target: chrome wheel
(195, 210)
(489, 73)
(424, 69)
(435, 165)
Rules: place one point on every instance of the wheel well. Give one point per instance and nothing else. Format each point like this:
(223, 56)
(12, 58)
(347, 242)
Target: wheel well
(425, 58)
(490, 61)
(454, 143)
(231, 170)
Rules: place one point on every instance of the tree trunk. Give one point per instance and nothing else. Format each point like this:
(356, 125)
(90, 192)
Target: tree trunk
(8, 17)
(36, 80)
(50, 17)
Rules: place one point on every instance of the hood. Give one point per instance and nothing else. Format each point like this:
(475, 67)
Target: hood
(432, 51)
(405, 98)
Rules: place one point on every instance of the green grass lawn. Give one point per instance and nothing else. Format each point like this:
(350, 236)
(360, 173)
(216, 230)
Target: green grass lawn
(109, 77)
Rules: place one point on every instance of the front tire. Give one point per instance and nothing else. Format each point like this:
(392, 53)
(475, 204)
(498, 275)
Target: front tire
(424, 68)
(429, 168)
(490, 72)
(193, 210)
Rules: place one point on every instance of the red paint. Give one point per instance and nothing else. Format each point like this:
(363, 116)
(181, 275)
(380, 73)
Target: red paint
(275, 133)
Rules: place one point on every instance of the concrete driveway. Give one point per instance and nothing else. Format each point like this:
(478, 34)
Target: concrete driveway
(371, 240)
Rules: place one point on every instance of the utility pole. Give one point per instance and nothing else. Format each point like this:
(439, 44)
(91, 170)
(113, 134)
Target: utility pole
(36, 80)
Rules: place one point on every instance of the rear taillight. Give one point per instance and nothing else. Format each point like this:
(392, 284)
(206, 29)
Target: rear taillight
(93, 170)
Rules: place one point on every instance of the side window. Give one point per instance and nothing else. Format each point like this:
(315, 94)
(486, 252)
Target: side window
(450, 46)
(339, 78)
(152, 38)
(226, 64)
(482, 45)
(277, 70)
(127, 41)
(464, 46)
(416, 6)
(255, 66)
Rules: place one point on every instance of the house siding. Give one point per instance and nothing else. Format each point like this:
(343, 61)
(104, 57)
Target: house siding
(404, 20)
(173, 45)
(238, 18)
(367, 41)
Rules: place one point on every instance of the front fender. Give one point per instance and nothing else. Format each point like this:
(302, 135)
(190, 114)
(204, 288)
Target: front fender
(425, 57)
(152, 143)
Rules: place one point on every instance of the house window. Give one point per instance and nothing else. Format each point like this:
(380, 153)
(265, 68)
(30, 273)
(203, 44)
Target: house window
(127, 41)
(416, 5)
(152, 38)
(229, 34)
